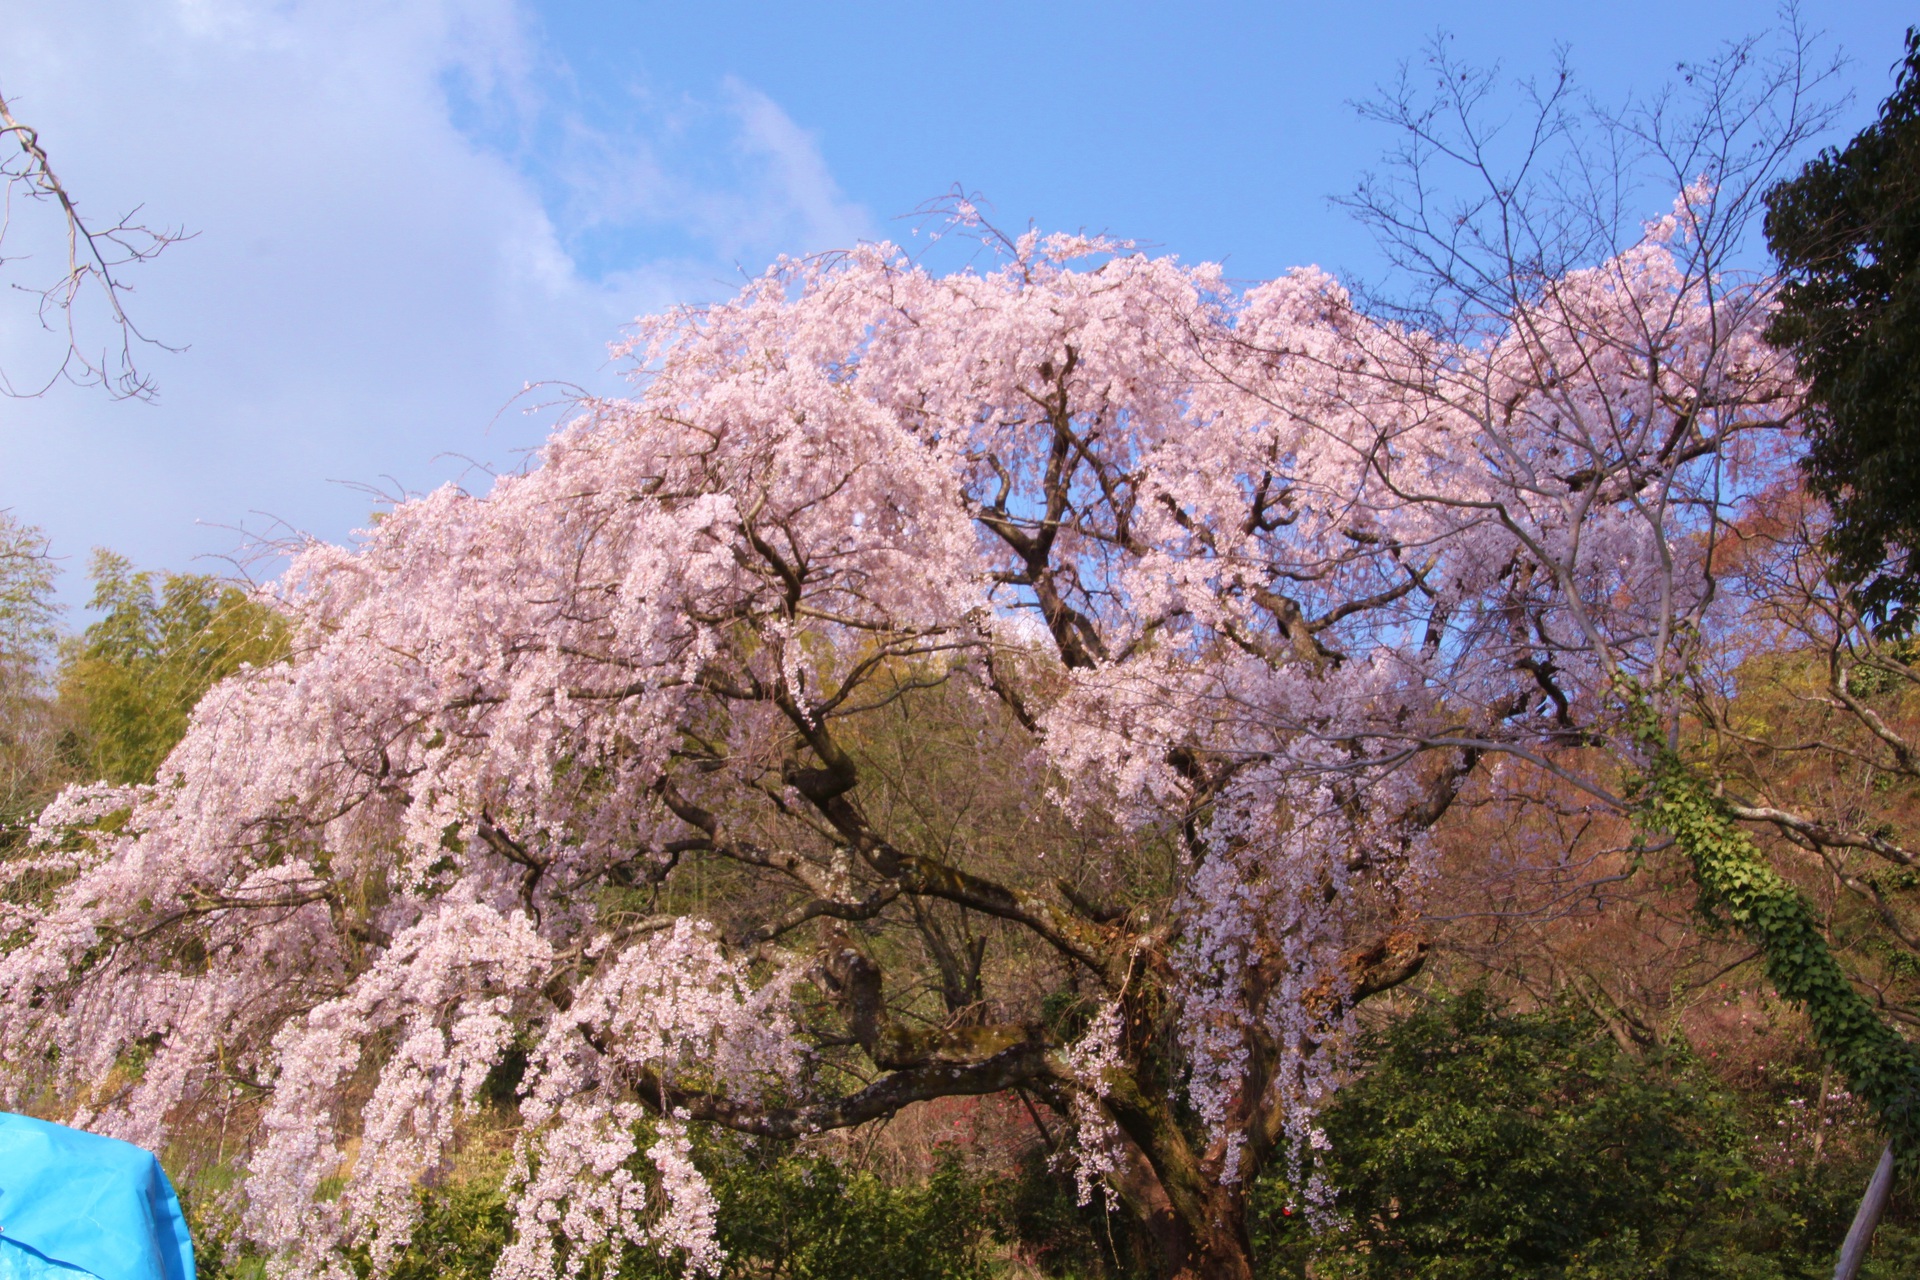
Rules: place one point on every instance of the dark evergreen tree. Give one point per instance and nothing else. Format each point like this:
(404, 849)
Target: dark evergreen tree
(1846, 232)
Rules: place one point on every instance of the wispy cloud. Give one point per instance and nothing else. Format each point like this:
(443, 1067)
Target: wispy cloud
(802, 201)
(679, 179)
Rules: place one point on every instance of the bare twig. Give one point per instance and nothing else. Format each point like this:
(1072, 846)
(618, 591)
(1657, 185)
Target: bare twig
(96, 257)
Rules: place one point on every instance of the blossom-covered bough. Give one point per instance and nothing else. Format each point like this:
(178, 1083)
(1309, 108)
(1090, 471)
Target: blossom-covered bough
(1043, 679)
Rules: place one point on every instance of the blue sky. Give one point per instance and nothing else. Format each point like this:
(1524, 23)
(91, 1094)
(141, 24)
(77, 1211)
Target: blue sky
(408, 209)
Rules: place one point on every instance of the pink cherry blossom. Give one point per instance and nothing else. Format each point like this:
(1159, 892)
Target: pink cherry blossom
(1248, 573)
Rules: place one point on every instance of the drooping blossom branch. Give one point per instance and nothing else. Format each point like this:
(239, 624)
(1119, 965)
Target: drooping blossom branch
(1085, 617)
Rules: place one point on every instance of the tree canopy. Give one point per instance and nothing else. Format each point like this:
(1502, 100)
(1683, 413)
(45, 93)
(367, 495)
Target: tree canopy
(1229, 593)
(1846, 231)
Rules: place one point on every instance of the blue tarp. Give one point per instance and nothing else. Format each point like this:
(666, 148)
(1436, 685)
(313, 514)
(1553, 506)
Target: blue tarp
(75, 1204)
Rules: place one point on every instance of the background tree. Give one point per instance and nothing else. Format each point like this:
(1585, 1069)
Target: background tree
(29, 722)
(1847, 233)
(131, 680)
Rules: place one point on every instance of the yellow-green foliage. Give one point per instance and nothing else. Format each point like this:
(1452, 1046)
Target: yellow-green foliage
(133, 678)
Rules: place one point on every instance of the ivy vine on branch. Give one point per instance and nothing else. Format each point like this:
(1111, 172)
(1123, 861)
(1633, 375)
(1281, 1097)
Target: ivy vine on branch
(1739, 887)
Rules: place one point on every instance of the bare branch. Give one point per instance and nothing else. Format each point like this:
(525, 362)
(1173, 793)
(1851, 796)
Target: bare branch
(96, 258)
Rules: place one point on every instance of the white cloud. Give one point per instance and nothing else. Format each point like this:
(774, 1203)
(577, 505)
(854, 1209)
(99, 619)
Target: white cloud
(734, 169)
(371, 283)
(794, 170)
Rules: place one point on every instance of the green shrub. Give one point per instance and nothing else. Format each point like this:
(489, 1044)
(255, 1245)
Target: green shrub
(1039, 1212)
(1481, 1143)
(798, 1217)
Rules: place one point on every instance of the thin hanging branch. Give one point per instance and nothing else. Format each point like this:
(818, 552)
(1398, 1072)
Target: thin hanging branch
(96, 259)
